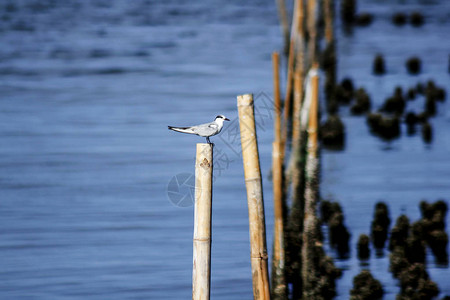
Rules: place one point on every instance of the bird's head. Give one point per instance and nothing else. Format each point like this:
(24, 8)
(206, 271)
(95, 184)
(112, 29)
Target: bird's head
(222, 117)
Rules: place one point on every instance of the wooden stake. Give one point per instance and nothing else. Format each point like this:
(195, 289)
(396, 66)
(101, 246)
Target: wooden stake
(279, 286)
(201, 274)
(252, 172)
(284, 23)
(290, 72)
(313, 112)
(276, 95)
(328, 9)
(312, 30)
(310, 221)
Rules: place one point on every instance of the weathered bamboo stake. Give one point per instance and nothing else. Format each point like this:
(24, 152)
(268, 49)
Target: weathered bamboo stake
(276, 95)
(290, 72)
(310, 227)
(282, 13)
(328, 8)
(298, 78)
(279, 286)
(201, 274)
(295, 168)
(312, 30)
(252, 172)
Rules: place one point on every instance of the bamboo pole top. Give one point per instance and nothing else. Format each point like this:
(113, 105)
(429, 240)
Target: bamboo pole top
(245, 100)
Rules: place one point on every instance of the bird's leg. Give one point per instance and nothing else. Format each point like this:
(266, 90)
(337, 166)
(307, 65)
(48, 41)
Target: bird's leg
(207, 139)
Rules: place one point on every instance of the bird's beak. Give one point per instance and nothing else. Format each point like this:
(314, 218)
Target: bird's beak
(226, 119)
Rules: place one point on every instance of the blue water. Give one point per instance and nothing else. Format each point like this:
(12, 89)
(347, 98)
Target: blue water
(87, 89)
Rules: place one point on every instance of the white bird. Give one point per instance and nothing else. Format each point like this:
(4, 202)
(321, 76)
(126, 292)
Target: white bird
(205, 130)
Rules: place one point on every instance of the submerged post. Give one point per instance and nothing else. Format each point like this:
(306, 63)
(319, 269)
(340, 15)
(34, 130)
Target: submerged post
(201, 274)
(252, 173)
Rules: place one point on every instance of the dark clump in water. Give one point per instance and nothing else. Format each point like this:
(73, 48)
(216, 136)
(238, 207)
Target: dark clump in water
(363, 247)
(406, 245)
(411, 120)
(362, 102)
(332, 132)
(435, 92)
(415, 244)
(338, 233)
(386, 127)
(380, 225)
(399, 233)
(365, 286)
(328, 209)
(420, 88)
(427, 132)
(328, 62)
(433, 221)
(379, 67)
(343, 93)
(430, 105)
(324, 284)
(414, 281)
(364, 19)
(414, 65)
(411, 94)
(348, 11)
(399, 19)
(395, 104)
(416, 19)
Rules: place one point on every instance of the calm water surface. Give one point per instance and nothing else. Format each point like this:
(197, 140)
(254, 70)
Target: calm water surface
(86, 92)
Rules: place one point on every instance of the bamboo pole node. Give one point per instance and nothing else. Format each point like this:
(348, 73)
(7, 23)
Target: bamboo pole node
(201, 272)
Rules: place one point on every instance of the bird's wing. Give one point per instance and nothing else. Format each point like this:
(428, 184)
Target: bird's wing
(207, 129)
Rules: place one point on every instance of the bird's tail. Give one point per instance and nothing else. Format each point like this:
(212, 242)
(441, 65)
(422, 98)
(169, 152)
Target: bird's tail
(181, 129)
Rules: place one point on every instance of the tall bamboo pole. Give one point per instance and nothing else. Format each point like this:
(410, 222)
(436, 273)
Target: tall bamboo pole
(298, 77)
(279, 286)
(290, 72)
(201, 274)
(310, 227)
(281, 5)
(312, 30)
(276, 95)
(328, 9)
(252, 172)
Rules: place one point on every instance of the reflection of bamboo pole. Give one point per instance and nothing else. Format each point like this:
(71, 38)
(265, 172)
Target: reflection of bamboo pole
(279, 287)
(252, 173)
(201, 275)
(310, 225)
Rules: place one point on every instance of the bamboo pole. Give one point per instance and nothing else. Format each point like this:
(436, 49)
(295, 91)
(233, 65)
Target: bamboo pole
(313, 113)
(276, 95)
(312, 30)
(281, 6)
(252, 172)
(311, 289)
(298, 78)
(201, 274)
(328, 7)
(279, 286)
(290, 72)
